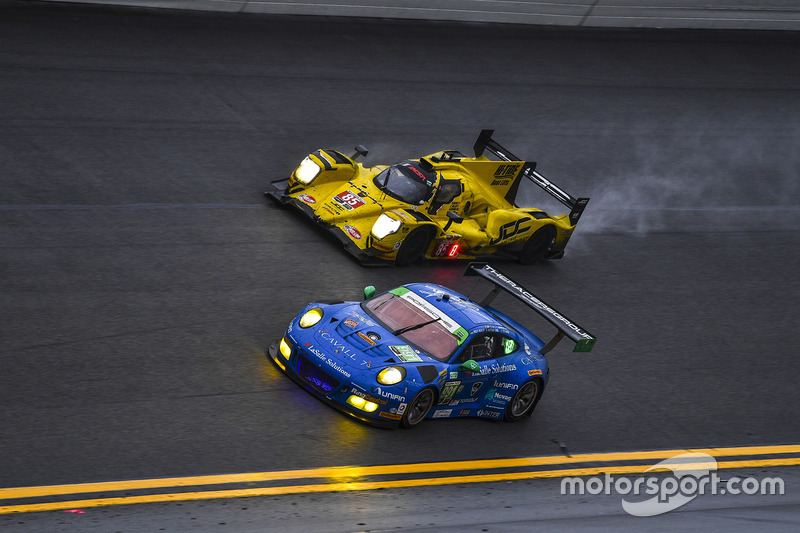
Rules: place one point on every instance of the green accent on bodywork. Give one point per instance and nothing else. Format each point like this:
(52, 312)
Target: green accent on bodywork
(369, 292)
(470, 366)
(508, 345)
(462, 335)
(399, 291)
(584, 345)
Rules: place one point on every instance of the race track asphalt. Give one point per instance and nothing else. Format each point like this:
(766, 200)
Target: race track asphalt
(144, 274)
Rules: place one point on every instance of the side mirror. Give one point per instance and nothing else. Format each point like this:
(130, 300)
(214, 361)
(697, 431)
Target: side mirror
(454, 218)
(369, 292)
(469, 366)
(360, 151)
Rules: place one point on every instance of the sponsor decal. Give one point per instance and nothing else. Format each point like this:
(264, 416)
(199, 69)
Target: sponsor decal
(339, 347)
(405, 353)
(453, 375)
(449, 390)
(511, 229)
(307, 198)
(420, 175)
(535, 372)
(488, 414)
(475, 388)
(537, 303)
(464, 412)
(391, 416)
(367, 339)
(507, 386)
(401, 408)
(442, 413)
(364, 320)
(350, 323)
(502, 397)
(420, 303)
(349, 200)
(312, 349)
(367, 397)
(387, 394)
(463, 400)
(506, 171)
(338, 368)
(353, 232)
(494, 368)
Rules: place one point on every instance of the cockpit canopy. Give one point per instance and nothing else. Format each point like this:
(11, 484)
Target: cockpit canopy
(407, 182)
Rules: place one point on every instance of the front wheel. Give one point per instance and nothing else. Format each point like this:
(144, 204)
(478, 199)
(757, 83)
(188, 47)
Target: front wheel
(524, 400)
(537, 245)
(414, 245)
(418, 408)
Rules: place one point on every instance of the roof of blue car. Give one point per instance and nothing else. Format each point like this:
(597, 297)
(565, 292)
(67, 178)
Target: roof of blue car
(455, 305)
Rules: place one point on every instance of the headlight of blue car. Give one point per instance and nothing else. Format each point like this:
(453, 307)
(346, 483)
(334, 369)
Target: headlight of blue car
(391, 375)
(310, 318)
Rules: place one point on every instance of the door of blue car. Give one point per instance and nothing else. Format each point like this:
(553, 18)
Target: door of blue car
(464, 387)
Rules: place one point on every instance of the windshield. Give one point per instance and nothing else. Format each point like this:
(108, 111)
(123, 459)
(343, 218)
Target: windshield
(428, 333)
(406, 182)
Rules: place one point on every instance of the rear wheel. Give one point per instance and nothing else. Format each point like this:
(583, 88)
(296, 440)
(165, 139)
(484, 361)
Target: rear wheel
(524, 400)
(537, 245)
(418, 408)
(414, 245)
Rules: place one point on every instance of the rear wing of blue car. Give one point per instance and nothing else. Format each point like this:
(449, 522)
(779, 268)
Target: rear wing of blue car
(584, 341)
(576, 205)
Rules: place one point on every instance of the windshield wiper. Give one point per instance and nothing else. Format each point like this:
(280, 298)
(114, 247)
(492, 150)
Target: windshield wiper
(415, 326)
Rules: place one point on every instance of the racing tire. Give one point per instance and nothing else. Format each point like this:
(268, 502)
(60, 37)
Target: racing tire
(414, 246)
(418, 408)
(537, 245)
(524, 400)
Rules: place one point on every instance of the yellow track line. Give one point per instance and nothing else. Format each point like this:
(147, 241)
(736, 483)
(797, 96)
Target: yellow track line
(346, 472)
(359, 486)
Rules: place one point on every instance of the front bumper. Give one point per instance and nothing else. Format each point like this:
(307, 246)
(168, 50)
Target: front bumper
(367, 257)
(315, 381)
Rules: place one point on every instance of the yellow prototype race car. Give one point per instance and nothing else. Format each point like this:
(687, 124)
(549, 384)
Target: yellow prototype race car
(441, 206)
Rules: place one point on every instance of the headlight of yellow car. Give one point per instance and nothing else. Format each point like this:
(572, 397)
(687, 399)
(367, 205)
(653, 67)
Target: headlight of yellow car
(385, 225)
(307, 171)
(311, 317)
(392, 375)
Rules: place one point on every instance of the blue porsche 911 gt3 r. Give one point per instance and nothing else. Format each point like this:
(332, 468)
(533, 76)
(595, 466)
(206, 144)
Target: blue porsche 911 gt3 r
(423, 351)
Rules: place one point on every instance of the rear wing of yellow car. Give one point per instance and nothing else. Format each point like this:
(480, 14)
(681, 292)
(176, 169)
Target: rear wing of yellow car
(584, 341)
(576, 205)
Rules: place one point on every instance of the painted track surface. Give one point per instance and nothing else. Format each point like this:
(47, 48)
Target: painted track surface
(143, 273)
